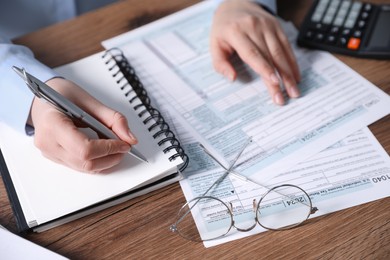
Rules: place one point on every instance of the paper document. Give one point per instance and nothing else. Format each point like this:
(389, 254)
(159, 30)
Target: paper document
(17, 248)
(353, 171)
(173, 60)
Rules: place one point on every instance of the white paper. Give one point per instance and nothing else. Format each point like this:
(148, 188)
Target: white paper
(17, 248)
(351, 172)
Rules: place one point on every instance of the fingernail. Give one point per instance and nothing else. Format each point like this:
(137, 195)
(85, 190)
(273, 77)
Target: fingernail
(228, 75)
(125, 148)
(274, 78)
(294, 92)
(132, 136)
(278, 98)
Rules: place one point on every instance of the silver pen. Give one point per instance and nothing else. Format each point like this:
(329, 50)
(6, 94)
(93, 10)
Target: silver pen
(41, 90)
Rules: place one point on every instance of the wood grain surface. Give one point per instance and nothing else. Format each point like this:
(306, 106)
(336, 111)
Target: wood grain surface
(139, 228)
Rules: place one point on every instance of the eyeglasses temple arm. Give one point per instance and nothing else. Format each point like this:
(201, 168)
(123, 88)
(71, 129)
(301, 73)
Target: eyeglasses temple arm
(242, 177)
(229, 170)
(221, 178)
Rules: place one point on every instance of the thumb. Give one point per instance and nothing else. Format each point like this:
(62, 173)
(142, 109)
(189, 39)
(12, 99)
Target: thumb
(120, 127)
(117, 123)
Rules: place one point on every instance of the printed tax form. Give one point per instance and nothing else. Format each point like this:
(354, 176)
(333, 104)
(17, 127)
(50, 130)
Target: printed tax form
(172, 58)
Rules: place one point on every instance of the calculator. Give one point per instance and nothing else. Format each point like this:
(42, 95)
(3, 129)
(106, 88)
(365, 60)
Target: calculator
(347, 27)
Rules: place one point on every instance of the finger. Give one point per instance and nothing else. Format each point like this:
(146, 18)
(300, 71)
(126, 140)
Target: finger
(252, 55)
(281, 62)
(45, 136)
(56, 157)
(258, 60)
(275, 92)
(120, 127)
(100, 164)
(258, 39)
(90, 166)
(104, 114)
(115, 121)
(221, 60)
(273, 89)
(78, 144)
(290, 54)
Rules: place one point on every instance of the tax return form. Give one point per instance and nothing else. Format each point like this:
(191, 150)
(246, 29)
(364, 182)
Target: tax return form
(172, 58)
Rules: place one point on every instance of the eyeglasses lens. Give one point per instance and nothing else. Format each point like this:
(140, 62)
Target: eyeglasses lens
(216, 222)
(284, 207)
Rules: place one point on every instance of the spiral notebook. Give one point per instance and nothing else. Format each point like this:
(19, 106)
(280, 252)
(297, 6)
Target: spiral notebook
(44, 194)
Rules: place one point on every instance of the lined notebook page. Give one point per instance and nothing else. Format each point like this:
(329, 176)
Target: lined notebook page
(48, 190)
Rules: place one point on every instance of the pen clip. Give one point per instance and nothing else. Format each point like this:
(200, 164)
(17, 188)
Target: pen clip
(30, 84)
(34, 85)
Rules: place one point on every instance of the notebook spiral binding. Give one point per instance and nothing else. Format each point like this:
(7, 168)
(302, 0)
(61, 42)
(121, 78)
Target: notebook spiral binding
(129, 78)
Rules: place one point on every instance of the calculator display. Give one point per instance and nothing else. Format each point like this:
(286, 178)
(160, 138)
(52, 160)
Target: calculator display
(347, 27)
(381, 34)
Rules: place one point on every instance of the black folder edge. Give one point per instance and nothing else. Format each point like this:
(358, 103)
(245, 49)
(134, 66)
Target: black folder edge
(21, 220)
(12, 196)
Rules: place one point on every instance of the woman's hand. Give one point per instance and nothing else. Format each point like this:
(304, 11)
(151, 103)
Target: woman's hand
(60, 139)
(256, 36)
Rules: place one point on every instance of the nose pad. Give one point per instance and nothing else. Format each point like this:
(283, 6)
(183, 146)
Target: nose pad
(245, 221)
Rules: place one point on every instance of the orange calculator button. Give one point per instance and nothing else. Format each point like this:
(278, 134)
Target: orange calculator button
(353, 43)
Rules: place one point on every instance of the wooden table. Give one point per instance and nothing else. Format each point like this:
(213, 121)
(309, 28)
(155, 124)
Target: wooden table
(139, 228)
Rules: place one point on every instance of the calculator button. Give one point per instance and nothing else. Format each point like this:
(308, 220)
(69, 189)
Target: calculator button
(353, 43)
(346, 32)
(357, 34)
(364, 15)
(316, 17)
(343, 41)
(320, 27)
(342, 13)
(335, 3)
(361, 24)
(327, 19)
(356, 6)
(338, 21)
(345, 5)
(319, 11)
(367, 7)
(320, 37)
(309, 35)
(349, 23)
(331, 39)
(335, 30)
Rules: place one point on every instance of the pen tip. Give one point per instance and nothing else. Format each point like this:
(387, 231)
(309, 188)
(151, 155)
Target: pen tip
(138, 155)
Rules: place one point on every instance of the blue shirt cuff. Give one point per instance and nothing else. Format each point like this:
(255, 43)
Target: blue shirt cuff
(16, 98)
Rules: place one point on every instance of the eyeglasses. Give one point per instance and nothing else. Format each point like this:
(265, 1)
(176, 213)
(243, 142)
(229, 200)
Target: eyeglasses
(279, 208)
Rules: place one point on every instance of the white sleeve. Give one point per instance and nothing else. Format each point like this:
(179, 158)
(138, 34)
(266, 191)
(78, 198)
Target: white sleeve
(269, 4)
(15, 97)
